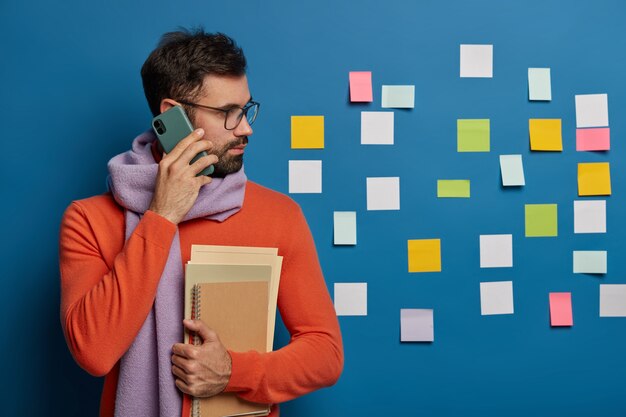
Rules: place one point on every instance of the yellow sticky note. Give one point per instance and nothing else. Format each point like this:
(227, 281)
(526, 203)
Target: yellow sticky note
(594, 179)
(425, 255)
(545, 135)
(307, 132)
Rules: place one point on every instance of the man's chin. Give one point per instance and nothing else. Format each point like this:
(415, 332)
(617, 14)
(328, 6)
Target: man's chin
(224, 168)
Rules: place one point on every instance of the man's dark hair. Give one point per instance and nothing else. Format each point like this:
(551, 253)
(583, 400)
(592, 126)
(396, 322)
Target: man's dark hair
(177, 67)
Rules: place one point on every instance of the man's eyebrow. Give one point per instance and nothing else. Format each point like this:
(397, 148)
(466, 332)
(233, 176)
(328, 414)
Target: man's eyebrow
(231, 105)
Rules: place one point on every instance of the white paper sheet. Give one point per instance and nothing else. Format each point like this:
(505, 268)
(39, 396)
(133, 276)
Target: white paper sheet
(539, 85)
(383, 193)
(496, 251)
(477, 61)
(376, 128)
(398, 96)
(496, 298)
(416, 325)
(592, 110)
(351, 298)
(512, 170)
(590, 216)
(612, 300)
(305, 177)
(344, 228)
(590, 261)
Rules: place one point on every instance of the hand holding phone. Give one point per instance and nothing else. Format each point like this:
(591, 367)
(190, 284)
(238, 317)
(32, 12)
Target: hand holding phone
(171, 127)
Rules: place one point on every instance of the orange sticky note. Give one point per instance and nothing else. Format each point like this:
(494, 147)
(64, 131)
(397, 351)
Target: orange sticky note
(361, 87)
(545, 134)
(596, 139)
(594, 179)
(425, 255)
(561, 309)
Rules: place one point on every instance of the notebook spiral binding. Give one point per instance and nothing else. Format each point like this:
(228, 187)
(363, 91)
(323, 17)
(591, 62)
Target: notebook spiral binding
(195, 314)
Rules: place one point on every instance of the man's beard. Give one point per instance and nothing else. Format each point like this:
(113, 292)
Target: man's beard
(226, 163)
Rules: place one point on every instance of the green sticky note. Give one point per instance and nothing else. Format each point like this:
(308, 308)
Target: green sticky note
(541, 220)
(472, 135)
(453, 188)
(345, 227)
(590, 262)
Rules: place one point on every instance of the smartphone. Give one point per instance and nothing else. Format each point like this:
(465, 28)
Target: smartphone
(171, 127)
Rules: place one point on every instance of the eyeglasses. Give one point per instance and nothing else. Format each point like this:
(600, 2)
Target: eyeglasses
(233, 115)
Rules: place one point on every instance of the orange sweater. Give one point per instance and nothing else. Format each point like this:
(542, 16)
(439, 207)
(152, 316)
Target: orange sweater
(108, 287)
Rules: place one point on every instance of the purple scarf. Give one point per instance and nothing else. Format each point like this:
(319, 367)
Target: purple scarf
(146, 384)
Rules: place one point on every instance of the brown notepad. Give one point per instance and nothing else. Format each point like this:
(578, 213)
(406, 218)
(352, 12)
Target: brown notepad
(238, 312)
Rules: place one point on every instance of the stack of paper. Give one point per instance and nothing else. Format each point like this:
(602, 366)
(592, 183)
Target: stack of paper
(234, 291)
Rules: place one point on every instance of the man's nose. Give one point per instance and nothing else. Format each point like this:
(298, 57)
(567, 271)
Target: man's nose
(244, 128)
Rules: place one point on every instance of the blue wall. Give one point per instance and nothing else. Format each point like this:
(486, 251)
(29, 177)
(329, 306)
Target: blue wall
(72, 98)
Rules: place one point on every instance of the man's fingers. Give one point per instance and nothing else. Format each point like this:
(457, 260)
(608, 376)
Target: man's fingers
(182, 385)
(205, 332)
(191, 151)
(183, 350)
(203, 162)
(194, 136)
(182, 362)
(182, 375)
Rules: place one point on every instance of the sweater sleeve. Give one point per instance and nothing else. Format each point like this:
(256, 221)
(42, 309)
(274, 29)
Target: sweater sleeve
(313, 358)
(104, 302)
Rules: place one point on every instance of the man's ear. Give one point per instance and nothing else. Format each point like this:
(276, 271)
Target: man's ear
(166, 104)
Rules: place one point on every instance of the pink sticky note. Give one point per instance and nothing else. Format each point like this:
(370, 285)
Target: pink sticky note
(361, 86)
(597, 139)
(561, 309)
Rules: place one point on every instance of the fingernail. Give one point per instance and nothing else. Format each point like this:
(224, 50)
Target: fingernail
(199, 132)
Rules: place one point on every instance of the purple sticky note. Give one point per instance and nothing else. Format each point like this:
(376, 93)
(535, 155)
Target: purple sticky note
(416, 325)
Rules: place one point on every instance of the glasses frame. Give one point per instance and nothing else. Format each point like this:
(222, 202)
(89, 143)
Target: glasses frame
(244, 111)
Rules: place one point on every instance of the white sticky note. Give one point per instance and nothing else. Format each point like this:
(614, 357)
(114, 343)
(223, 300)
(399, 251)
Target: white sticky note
(305, 177)
(398, 96)
(477, 61)
(612, 300)
(592, 110)
(512, 170)
(539, 85)
(344, 227)
(351, 298)
(417, 325)
(590, 216)
(383, 193)
(590, 261)
(377, 128)
(496, 251)
(496, 298)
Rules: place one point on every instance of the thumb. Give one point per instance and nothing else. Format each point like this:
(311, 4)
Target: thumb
(205, 332)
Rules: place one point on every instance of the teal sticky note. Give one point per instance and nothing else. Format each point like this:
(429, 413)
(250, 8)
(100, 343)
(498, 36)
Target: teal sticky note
(539, 85)
(512, 170)
(590, 262)
(345, 227)
(398, 96)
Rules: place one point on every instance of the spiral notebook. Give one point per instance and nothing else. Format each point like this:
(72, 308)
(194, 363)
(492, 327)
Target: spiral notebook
(237, 311)
(238, 300)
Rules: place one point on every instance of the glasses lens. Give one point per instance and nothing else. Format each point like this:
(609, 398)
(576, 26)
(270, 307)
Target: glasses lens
(252, 112)
(233, 118)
